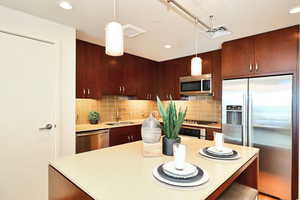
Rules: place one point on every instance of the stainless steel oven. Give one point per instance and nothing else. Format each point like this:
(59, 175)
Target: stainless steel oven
(193, 132)
(196, 85)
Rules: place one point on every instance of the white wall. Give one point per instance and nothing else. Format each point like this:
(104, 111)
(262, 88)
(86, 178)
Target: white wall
(19, 22)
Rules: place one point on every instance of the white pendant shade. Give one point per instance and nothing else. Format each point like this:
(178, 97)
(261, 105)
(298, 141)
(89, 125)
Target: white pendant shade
(196, 66)
(114, 39)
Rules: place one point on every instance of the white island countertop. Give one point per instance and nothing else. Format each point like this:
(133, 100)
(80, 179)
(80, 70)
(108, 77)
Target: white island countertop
(121, 172)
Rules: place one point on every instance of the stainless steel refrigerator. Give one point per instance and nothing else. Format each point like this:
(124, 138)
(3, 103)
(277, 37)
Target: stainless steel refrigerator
(258, 112)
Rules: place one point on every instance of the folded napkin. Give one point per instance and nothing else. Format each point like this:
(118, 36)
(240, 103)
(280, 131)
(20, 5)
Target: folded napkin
(179, 154)
(219, 141)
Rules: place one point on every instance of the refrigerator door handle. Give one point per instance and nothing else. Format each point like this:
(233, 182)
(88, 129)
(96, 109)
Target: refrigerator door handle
(250, 124)
(244, 121)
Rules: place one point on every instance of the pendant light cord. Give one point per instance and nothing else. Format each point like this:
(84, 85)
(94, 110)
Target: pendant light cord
(115, 10)
(196, 38)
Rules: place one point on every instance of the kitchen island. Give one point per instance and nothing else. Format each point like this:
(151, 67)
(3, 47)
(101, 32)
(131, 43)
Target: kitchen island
(121, 172)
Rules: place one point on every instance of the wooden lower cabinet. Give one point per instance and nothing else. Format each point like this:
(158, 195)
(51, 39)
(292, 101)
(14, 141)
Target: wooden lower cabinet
(123, 135)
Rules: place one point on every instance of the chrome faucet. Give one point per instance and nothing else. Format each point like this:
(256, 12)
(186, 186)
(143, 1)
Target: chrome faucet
(117, 115)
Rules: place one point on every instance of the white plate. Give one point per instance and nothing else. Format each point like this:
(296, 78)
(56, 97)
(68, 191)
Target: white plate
(223, 151)
(187, 171)
(217, 158)
(201, 181)
(180, 176)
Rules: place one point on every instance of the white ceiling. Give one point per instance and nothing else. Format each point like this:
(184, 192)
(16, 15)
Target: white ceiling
(163, 25)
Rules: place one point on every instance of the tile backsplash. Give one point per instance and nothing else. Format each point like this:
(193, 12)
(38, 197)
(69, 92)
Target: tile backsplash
(199, 108)
(109, 105)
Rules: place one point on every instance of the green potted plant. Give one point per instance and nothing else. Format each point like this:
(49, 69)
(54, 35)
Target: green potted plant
(94, 117)
(172, 122)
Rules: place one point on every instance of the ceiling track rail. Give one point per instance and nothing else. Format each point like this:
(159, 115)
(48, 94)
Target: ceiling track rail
(196, 19)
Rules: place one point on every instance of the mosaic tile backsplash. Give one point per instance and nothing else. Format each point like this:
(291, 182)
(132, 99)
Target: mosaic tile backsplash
(199, 108)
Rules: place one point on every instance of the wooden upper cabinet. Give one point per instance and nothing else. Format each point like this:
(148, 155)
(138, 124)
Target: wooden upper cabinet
(271, 53)
(98, 74)
(130, 68)
(237, 58)
(276, 52)
(169, 73)
(87, 56)
(206, 62)
(216, 75)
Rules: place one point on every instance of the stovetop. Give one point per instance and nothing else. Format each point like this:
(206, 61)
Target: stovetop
(192, 121)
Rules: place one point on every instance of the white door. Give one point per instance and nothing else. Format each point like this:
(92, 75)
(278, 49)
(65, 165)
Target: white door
(29, 100)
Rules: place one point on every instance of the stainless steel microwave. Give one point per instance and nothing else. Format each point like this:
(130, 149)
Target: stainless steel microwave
(196, 85)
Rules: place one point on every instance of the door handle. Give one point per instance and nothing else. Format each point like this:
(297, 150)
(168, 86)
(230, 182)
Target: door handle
(47, 127)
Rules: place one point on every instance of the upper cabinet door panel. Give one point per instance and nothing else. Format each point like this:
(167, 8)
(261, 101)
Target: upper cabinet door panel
(237, 58)
(130, 68)
(114, 70)
(276, 51)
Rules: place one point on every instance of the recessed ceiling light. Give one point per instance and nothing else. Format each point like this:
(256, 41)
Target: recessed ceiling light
(294, 10)
(65, 5)
(167, 46)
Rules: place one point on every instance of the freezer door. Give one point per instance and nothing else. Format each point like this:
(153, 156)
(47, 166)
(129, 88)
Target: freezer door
(270, 130)
(234, 110)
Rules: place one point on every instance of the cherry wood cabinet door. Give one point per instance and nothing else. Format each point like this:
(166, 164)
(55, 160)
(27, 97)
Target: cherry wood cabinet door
(87, 57)
(142, 79)
(80, 69)
(124, 135)
(276, 52)
(94, 55)
(238, 58)
(216, 75)
(114, 75)
(206, 62)
(165, 81)
(130, 68)
(136, 133)
(117, 137)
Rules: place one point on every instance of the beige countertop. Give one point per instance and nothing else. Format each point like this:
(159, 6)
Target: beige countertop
(121, 172)
(91, 127)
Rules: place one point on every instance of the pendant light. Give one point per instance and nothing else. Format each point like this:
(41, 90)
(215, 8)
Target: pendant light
(114, 36)
(196, 63)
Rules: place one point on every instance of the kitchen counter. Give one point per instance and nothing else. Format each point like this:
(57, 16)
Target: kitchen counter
(121, 172)
(91, 127)
(94, 127)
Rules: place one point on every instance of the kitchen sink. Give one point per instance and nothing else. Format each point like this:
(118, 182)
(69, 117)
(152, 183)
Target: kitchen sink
(119, 123)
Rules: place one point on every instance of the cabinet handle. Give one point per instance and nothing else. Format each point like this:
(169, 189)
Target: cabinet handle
(123, 89)
(250, 67)
(256, 67)
(83, 91)
(120, 89)
(128, 138)
(150, 96)
(132, 138)
(88, 90)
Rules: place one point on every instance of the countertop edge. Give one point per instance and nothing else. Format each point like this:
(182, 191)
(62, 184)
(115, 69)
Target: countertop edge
(90, 127)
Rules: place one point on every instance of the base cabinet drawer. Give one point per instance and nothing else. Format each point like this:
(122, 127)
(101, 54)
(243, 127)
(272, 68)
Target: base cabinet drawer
(123, 135)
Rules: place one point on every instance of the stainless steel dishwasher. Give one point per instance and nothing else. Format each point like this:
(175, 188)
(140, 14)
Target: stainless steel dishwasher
(92, 140)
